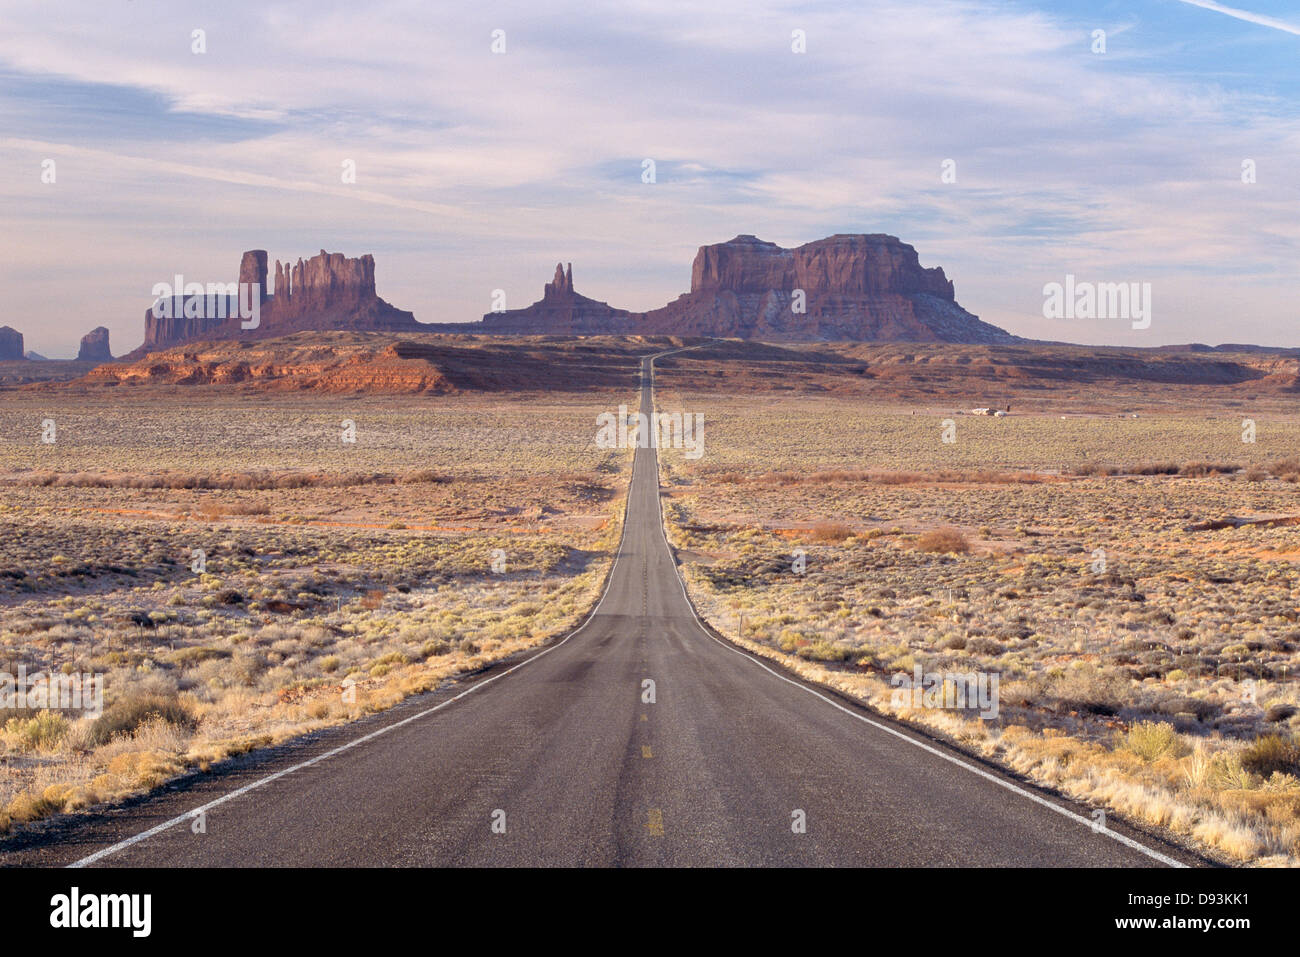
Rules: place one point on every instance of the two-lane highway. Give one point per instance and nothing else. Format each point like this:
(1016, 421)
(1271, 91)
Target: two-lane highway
(560, 761)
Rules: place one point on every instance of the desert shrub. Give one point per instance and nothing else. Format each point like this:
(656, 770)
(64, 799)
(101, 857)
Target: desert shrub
(422, 476)
(1279, 712)
(214, 510)
(1151, 739)
(41, 732)
(1288, 470)
(1271, 753)
(839, 475)
(189, 657)
(1095, 468)
(247, 666)
(1091, 691)
(781, 478)
(826, 651)
(1165, 468)
(899, 478)
(830, 532)
(1198, 469)
(1202, 708)
(30, 806)
(126, 714)
(943, 540)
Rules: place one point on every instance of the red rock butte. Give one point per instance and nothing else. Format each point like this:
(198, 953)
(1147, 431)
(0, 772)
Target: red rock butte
(864, 288)
(328, 291)
(854, 288)
(94, 346)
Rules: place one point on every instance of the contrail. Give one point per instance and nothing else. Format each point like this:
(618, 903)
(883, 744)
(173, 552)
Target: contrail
(1246, 15)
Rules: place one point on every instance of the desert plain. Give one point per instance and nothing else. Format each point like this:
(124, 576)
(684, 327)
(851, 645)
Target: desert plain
(247, 552)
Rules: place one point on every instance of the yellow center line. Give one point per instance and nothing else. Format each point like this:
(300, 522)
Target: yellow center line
(646, 752)
(656, 823)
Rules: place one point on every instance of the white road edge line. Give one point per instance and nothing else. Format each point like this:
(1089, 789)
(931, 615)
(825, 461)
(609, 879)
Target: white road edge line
(1014, 788)
(190, 815)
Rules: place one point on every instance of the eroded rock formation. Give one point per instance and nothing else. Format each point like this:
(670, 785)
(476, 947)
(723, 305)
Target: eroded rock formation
(560, 311)
(329, 291)
(867, 288)
(94, 346)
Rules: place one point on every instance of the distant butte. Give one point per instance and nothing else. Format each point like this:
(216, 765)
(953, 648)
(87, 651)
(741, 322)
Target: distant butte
(850, 287)
(854, 288)
(94, 346)
(326, 292)
(11, 343)
(560, 311)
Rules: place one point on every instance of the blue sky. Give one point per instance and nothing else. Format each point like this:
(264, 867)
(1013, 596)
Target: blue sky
(478, 171)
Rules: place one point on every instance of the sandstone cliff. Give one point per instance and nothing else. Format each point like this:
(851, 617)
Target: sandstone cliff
(864, 288)
(855, 288)
(328, 291)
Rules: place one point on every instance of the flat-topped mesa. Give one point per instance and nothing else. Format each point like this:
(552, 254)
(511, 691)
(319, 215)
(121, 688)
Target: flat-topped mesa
(847, 287)
(845, 264)
(328, 291)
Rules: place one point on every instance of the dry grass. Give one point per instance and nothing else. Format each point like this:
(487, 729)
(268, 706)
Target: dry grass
(313, 606)
(1144, 667)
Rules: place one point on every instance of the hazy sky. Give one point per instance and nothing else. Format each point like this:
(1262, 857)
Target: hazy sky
(478, 171)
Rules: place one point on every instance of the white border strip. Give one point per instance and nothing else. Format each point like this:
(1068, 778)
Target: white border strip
(1001, 782)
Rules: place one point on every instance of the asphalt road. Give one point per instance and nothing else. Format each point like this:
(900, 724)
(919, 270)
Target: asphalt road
(561, 749)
